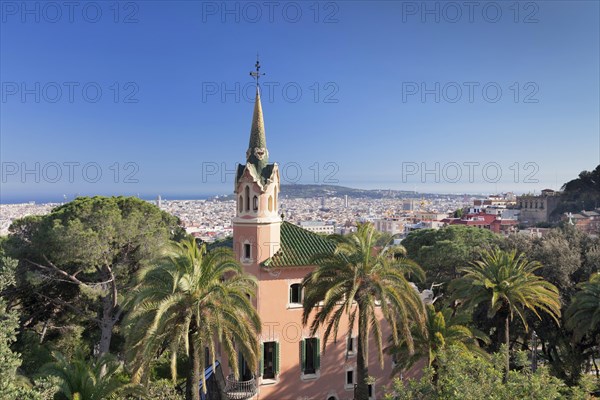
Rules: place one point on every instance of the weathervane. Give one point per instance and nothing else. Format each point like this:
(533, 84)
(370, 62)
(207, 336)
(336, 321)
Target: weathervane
(256, 74)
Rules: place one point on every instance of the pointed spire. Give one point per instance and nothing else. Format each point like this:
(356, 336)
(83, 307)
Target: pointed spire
(257, 153)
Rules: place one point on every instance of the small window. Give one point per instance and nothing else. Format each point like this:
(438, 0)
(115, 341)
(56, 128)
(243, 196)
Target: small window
(371, 391)
(270, 360)
(296, 293)
(255, 203)
(351, 346)
(270, 203)
(247, 250)
(241, 204)
(310, 356)
(247, 193)
(349, 378)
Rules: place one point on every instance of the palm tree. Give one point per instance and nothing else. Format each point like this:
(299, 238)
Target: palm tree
(443, 329)
(506, 283)
(192, 299)
(363, 283)
(583, 315)
(95, 379)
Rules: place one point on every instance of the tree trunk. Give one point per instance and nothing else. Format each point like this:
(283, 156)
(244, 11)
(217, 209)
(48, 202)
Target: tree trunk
(44, 330)
(192, 391)
(111, 312)
(107, 323)
(507, 344)
(362, 359)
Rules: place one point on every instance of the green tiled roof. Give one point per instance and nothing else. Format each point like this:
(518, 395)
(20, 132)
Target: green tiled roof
(298, 247)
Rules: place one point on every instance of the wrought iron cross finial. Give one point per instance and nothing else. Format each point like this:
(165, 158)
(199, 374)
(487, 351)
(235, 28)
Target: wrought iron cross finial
(256, 74)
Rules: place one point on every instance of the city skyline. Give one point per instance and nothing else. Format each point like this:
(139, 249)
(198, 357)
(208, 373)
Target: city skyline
(435, 99)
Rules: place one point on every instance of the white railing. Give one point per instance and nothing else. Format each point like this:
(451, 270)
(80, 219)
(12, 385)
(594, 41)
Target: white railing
(240, 390)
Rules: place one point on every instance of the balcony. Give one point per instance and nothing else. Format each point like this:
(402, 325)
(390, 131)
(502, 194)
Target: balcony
(240, 390)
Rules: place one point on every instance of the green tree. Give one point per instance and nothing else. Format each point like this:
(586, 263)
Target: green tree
(505, 282)
(81, 379)
(9, 360)
(467, 376)
(363, 283)
(12, 385)
(458, 213)
(442, 252)
(80, 257)
(568, 257)
(581, 193)
(443, 329)
(191, 299)
(583, 315)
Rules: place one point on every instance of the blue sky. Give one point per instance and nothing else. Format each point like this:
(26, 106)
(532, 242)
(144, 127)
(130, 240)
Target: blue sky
(433, 97)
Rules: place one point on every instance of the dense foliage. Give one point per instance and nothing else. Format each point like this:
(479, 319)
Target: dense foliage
(92, 293)
(466, 376)
(191, 299)
(582, 193)
(444, 251)
(506, 285)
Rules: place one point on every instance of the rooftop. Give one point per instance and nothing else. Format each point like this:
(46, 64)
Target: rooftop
(298, 247)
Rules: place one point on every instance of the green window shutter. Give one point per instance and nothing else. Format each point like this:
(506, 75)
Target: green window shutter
(317, 353)
(277, 355)
(261, 363)
(302, 355)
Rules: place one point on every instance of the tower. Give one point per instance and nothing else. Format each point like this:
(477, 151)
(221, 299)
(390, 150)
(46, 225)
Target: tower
(256, 226)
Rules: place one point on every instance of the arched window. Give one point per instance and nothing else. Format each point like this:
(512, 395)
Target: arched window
(275, 200)
(241, 204)
(255, 203)
(296, 293)
(247, 193)
(270, 203)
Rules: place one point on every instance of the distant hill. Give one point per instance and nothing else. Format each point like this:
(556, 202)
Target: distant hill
(581, 193)
(312, 191)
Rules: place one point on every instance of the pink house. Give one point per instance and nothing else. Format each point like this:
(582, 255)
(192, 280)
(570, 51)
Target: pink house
(293, 364)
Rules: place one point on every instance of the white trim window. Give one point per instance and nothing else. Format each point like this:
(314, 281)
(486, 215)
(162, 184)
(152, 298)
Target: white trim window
(295, 295)
(349, 378)
(351, 344)
(310, 358)
(246, 252)
(269, 362)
